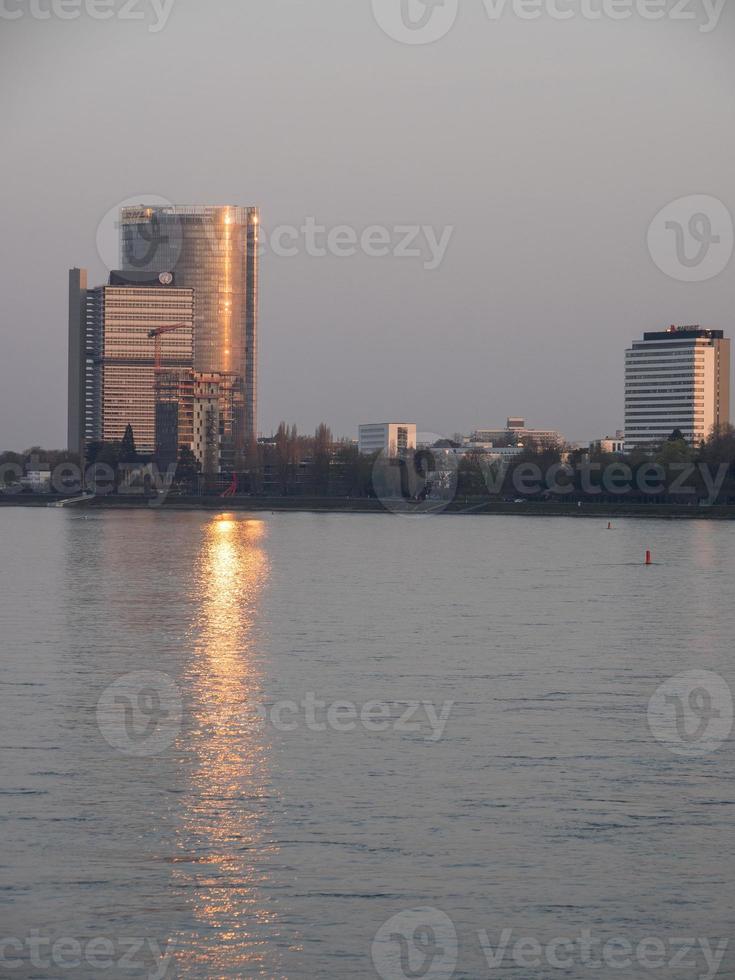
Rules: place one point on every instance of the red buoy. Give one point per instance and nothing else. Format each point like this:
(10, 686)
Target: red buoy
(649, 558)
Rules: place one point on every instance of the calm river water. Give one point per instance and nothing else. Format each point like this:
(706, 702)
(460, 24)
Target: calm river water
(259, 792)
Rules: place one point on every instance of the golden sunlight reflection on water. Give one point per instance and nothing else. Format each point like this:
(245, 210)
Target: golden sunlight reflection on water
(224, 834)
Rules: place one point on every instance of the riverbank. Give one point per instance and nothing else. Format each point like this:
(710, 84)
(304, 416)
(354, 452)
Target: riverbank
(347, 505)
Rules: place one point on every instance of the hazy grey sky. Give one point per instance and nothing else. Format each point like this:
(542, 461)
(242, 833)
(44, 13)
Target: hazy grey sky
(548, 146)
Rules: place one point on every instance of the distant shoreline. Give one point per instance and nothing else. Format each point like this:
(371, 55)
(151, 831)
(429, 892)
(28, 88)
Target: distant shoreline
(341, 505)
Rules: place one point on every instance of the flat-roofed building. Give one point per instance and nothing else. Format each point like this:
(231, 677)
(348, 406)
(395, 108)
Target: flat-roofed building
(112, 382)
(517, 433)
(611, 445)
(392, 438)
(676, 379)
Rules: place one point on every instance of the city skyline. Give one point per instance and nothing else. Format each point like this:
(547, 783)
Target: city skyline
(118, 392)
(201, 244)
(108, 392)
(368, 527)
(214, 250)
(547, 277)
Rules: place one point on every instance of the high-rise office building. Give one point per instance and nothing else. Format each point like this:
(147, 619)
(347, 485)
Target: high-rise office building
(213, 250)
(676, 379)
(112, 378)
(82, 403)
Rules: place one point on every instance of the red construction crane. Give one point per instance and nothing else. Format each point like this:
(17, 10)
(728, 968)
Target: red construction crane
(156, 335)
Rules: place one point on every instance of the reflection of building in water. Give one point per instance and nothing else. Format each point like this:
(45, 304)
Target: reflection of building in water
(224, 835)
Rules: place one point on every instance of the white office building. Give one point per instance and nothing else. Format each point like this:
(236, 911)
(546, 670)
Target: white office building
(676, 379)
(392, 438)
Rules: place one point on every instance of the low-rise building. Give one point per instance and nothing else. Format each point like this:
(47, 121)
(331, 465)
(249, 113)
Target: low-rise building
(611, 445)
(517, 433)
(37, 480)
(391, 438)
(486, 449)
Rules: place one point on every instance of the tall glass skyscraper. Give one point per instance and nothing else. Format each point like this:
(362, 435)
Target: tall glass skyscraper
(213, 250)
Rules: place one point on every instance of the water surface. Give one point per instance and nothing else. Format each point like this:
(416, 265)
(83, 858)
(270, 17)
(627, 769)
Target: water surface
(546, 807)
